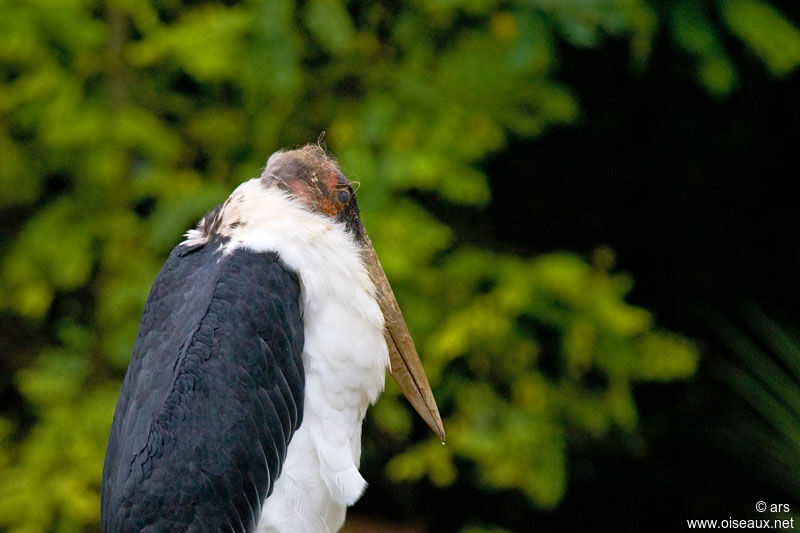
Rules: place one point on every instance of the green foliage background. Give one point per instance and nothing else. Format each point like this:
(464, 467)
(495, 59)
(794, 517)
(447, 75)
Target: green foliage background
(122, 122)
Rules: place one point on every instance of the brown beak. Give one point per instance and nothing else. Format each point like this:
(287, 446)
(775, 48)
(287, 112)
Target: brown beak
(406, 368)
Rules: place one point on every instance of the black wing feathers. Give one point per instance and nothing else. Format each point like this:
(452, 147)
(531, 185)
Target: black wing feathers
(212, 396)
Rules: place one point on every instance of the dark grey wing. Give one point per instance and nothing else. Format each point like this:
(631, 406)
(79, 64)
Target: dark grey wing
(212, 396)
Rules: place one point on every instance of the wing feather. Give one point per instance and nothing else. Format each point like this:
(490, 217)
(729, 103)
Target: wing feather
(212, 396)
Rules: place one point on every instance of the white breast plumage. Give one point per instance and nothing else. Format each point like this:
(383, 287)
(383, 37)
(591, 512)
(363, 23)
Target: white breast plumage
(345, 354)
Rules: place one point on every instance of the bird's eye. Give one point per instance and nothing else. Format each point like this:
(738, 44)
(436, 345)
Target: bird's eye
(343, 196)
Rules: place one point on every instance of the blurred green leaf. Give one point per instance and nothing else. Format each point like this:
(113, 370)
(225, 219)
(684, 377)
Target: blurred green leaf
(54, 251)
(695, 32)
(766, 31)
(330, 23)
(206, 41)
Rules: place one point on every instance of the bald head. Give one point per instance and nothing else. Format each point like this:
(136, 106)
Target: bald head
(313, 177)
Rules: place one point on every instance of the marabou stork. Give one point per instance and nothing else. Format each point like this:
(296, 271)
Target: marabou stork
(264, 338)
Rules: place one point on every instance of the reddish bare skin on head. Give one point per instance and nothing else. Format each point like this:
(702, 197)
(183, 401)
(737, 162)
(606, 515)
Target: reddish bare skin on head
(313, 177)
(319, 193)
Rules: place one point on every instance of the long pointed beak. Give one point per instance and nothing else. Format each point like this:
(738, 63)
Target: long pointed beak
(406, 368)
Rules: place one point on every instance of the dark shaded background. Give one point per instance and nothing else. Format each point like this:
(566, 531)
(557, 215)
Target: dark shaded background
(697, 196)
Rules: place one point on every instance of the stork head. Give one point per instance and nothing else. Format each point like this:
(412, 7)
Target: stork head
(311, 176)
(314, 178)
